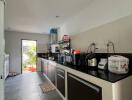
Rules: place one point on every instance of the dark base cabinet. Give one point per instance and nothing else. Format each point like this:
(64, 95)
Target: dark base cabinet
(79, 89)
(51, 72)
(42, 66)
(60, 74)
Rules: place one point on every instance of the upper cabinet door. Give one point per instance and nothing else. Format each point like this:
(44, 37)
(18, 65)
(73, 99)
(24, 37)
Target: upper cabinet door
(2, 48)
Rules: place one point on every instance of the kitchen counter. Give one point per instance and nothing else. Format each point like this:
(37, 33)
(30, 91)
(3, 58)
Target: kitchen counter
(105, 75)
(112, 85)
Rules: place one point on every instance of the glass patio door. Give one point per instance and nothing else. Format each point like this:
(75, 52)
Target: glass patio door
(28, 56)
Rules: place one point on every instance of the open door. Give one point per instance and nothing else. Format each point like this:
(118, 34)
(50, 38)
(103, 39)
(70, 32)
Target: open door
(29, 51)
(2, 49)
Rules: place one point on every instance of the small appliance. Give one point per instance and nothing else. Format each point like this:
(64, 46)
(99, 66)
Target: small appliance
(103, 64)
(91, 60)
(61, 58)
(118, 64)
(54, 48)
(76, 57)
(68, 59)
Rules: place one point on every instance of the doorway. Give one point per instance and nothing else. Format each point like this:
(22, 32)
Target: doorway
(29, 52)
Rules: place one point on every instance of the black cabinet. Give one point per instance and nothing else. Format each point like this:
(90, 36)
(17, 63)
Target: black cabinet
(51, 72)
(60, 75)
(79, 89)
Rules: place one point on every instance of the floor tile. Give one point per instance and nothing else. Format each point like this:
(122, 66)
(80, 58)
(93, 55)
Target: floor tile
(26, 87)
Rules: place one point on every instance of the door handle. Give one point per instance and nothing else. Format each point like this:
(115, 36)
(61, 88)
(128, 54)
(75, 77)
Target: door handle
(61, 76)
(86, 83)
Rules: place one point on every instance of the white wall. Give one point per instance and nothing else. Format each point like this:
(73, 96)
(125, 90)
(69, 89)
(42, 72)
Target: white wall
(96, 16)
(2, 49)
(13, 46)
(97, 13)
(119, 32)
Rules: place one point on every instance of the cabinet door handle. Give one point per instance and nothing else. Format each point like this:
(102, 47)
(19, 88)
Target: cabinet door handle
(61, 71)
(61, 76)
(86, 83)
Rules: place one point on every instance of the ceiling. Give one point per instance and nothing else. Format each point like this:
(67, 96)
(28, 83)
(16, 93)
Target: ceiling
(38, 16)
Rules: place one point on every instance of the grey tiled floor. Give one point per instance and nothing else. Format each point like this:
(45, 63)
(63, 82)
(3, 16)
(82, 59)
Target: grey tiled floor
(26, 87)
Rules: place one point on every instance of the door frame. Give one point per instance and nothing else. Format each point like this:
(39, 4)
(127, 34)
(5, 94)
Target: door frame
(21, 52)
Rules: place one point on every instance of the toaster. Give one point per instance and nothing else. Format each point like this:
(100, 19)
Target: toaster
(118, 64)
